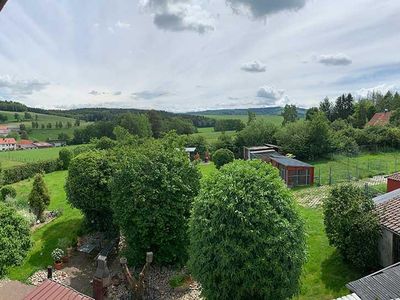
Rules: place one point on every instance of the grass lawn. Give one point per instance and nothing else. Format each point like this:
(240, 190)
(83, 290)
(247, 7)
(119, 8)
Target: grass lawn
(12, 158)
(362, 166)
(45, 239)
(41, 118)
(325, 274)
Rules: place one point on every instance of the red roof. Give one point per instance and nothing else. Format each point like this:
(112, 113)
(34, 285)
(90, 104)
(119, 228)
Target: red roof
(380, 119)
(395, 176)
(8, 141)
(25, 142)
(51, 290)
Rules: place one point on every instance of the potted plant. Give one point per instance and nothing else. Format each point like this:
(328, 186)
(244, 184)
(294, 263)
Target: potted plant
(57, 256)
(65, 245)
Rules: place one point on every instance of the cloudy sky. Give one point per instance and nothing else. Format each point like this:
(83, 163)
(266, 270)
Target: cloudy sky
(184, 55)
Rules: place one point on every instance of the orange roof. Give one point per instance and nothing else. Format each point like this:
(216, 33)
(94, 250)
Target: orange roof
(52, 290)
(8, 141)
(380, 119)
(25, 142)
(3, 127)
(389, 214)
(395, 177)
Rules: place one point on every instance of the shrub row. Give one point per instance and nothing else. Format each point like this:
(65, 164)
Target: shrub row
(22, 172)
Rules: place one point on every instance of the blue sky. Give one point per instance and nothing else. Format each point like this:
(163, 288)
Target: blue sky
(184, 55)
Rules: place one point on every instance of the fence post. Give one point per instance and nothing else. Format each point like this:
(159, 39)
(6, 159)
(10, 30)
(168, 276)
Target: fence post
(330, 175)
(319, 176)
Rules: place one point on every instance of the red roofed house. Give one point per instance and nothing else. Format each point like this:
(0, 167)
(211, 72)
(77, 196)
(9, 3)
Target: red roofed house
(25, 145)
(380, 119)
(8, 144)
(52, 290)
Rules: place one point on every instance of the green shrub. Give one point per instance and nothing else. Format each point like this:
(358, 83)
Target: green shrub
(39, 197)
(7, 191)
(222, 157)
(14, 238)
(247, 241)
(87, 188)
(352, 225)
(22, 172)
(151, 196)
(65, 156)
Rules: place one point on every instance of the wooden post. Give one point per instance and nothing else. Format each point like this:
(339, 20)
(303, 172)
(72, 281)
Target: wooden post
(330, 175)
(98, 289)
(49, 272)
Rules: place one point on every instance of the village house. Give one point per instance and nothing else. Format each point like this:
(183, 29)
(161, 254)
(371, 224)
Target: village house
(294, 172)
(58, 143)
(4, 130)
(380, 119)
(25, 145)
(8, 144)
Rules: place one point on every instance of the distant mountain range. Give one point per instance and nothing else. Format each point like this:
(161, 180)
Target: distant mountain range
(268, 111)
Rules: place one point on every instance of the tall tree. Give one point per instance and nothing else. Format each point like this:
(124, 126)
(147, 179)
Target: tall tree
(289, 114)
(39, 197)
(327, 108)
(362, 112)
(156, 123)
(344, 107)
(137, 124)
(311, 112)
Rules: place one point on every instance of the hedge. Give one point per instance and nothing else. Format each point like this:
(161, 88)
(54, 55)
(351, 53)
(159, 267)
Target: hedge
(22, 172)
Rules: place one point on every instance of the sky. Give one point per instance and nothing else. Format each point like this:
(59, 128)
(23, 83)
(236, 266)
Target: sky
(191, 55)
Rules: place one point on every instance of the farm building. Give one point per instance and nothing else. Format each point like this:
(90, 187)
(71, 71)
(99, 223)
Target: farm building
(58, 143)
(41, 145)
(25, 145)
(294, 172)
(388, 209)
(4, 130)
(8, 144)
(393, 182)
(380, 119)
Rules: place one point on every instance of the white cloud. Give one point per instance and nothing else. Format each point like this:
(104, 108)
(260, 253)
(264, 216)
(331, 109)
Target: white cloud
(254, 67)
(117, 93)
(268, 95)
(339, 59)
(94, 93)
(382, 88)
(262, 8)
(179, 15)
(122, 25)
(19, 87)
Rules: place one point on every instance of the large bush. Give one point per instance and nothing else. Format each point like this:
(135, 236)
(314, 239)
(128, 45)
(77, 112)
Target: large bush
(87, 188)
(352, 225)
(14, 238)
(222, 157)
(7, 191)
(65, 155)
(152, 194)
(246, 239)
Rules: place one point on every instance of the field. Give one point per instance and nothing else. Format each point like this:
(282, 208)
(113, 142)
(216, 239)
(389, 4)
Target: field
(210, 135)
(13, 158)
(343, 168)
(277, 120)
(46, 238)
(42, 134)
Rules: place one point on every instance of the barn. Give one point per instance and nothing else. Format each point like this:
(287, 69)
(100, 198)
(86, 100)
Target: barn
(294, 172)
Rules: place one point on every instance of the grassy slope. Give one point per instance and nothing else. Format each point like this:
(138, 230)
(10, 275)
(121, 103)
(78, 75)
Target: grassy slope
(273, 119)
(12, 158)
(46, 238)
(325, 274)
(210, 135)
(362, 166)
(43, 134)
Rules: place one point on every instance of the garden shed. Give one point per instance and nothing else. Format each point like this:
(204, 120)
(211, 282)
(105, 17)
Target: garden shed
(294, 172)
(388, 209)
(393, 182)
